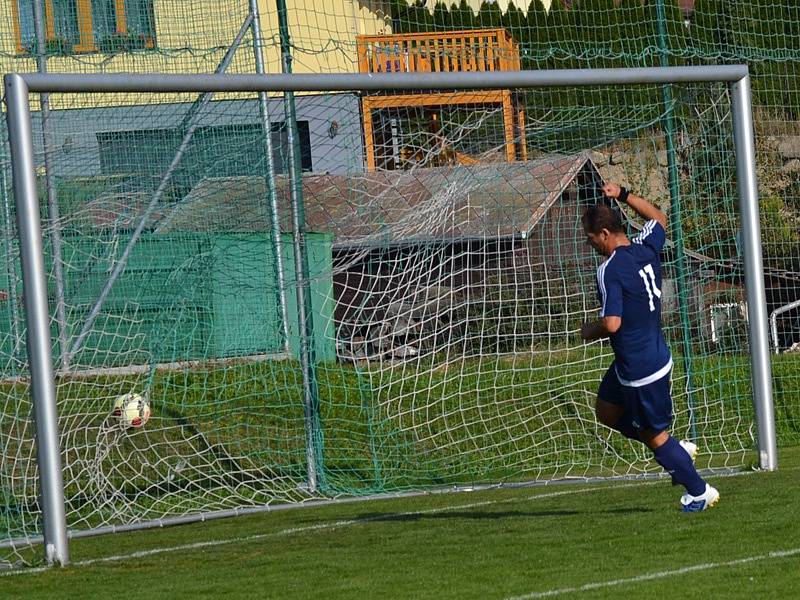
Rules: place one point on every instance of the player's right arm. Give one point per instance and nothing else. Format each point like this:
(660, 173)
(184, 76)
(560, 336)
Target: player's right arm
(642, 207)
(611, 305)
(600, 329)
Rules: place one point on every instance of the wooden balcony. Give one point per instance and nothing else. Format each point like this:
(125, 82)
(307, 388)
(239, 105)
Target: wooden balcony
(447, 52)
(453, 51)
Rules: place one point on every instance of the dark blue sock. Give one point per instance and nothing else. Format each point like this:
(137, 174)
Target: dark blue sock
(678, 463)
(626, 428)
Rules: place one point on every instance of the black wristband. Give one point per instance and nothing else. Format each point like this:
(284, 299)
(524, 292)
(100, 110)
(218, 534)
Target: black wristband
(623, 194)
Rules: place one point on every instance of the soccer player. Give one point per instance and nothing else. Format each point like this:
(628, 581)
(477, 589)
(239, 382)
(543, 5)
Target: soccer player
(634, 396)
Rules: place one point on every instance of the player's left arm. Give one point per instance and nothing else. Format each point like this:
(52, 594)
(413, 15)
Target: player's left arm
(602, 328)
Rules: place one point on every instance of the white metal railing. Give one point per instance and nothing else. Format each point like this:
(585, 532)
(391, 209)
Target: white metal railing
(773, 321)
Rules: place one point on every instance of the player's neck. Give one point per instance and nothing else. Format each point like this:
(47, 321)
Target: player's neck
(617, 241)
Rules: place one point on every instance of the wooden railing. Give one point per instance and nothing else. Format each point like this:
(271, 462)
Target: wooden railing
(452, 51)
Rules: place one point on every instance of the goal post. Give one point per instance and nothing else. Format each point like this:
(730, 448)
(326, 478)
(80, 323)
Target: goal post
(42, 382)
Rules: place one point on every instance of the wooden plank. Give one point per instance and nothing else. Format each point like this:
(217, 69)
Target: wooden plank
(402, 56)
(363, 61)
(473, 51)
(508, 125)
(516, 55)
(424, 56)
(438, 99)
(378, 59)
(523, 143)
(369, 136)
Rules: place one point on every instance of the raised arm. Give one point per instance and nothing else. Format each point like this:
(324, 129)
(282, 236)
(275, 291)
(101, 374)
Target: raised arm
(642, 207)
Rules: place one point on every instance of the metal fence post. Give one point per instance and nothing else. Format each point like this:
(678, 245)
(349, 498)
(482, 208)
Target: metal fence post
(305, 311)
(272, 195)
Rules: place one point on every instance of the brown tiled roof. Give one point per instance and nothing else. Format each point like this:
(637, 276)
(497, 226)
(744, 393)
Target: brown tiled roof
(389, 206)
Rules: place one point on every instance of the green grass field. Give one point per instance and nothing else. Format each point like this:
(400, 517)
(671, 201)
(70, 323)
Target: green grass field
(613, 540)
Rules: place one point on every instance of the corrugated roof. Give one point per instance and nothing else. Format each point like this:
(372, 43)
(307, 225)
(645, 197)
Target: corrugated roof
(389, 206)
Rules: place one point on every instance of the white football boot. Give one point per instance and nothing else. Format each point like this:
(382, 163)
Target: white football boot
(699, 503)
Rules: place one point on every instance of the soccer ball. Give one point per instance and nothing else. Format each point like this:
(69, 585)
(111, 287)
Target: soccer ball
(132, 410)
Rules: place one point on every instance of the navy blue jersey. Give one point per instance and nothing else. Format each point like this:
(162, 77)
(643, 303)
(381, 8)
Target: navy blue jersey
(629, 286)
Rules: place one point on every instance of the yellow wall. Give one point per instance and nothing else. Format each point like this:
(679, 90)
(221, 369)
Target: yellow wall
(323, 32)
(192, 36)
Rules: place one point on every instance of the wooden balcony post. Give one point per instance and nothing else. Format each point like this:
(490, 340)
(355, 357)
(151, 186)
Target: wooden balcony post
(369, 135)
(363, 62)
(523, 141)
(509, 125)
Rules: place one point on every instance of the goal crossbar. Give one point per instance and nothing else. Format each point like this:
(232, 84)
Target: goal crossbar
(70, 83)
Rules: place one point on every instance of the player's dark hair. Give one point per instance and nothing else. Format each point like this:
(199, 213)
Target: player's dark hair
(599, 216)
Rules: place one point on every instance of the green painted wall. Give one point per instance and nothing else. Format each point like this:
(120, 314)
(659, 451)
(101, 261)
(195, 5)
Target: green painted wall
(184, 297)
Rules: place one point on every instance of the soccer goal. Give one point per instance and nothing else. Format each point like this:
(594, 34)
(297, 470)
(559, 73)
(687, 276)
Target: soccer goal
(261, 300)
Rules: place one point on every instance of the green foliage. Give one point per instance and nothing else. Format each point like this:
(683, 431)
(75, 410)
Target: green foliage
(607, 33)
(490, 16)
(515, 21)
(442, 20)
(462, 16)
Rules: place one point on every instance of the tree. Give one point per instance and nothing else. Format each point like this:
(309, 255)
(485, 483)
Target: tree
(515, 22)
(490, 16)
(462, 16)
(410, 18)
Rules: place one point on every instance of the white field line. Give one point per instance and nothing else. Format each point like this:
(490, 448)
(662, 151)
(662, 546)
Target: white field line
(659, 575)
(318, 527)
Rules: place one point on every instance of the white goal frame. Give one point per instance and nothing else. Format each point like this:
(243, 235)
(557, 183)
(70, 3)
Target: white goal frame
(18, 88)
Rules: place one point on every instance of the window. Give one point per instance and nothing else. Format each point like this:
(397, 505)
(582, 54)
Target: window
(215, 151)
(87, 25)
(120, 25)
(280, 146)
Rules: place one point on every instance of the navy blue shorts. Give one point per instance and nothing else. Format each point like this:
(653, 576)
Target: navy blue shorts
(648, 406)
